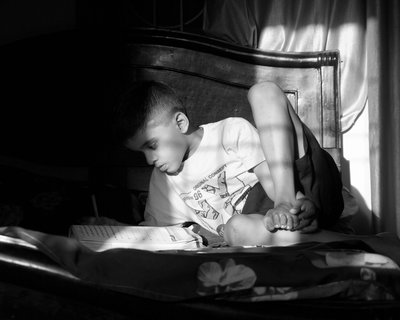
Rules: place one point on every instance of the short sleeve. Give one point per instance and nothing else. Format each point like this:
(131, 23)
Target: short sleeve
(164, 206)
(241, 137)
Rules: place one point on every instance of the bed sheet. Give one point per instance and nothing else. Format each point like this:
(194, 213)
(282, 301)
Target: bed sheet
(349, 270)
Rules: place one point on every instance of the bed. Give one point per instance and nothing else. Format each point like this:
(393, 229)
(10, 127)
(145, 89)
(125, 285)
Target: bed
(46, 274)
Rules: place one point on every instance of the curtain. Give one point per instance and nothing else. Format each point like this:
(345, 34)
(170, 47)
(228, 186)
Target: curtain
(367, 35)
(383, 47)
(303, 25)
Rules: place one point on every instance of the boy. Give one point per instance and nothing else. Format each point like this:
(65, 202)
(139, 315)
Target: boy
(217, 175)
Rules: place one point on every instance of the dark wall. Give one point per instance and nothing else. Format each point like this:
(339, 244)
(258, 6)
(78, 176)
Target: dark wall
(55, 77)
(60, 74)
(52, 99)
(20, 19)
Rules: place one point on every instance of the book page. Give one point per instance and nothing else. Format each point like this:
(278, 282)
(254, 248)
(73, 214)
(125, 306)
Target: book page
(134, 236)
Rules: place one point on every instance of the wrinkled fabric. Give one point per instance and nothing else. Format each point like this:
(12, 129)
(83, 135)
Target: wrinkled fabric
(345, 269)
(301, 26)
(383, 41)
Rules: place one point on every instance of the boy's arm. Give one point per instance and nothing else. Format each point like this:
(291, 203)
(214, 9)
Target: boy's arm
(281, 137)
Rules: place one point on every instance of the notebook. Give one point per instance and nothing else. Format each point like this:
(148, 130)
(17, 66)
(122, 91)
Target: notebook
(105, 237)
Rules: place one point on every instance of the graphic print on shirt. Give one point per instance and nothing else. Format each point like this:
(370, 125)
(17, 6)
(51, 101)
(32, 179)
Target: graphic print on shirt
(231, 204)
(212, 193)
(209, 212)
(221, 188)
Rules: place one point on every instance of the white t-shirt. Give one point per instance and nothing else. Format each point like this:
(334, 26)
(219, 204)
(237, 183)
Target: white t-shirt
(214, 182)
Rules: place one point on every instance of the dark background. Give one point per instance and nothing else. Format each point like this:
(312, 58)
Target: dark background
(60, 75)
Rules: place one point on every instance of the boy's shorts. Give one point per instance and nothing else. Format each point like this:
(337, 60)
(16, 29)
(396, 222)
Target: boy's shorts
(316, 176)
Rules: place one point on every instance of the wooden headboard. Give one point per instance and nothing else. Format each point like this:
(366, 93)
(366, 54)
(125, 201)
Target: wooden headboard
(212, 77)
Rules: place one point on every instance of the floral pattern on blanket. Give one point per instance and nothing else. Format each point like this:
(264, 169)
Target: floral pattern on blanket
(233, 281)
(224, 276)
(344, 270)
(349, 289)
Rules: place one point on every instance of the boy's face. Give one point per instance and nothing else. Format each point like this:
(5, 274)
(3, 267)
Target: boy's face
(163, 144)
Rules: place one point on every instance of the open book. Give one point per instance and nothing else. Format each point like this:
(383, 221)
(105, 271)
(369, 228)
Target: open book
(104, 237)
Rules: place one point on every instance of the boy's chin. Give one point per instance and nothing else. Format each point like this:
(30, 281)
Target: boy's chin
(173, 171)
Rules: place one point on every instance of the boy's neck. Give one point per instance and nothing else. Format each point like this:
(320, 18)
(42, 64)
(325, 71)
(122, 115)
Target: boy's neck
(194, 138)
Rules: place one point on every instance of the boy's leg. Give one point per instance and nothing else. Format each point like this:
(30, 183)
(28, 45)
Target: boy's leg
(281, 136)
(295, 159)
(248, 230)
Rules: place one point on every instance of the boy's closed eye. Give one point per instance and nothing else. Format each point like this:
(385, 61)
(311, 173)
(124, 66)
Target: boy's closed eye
(152, 145)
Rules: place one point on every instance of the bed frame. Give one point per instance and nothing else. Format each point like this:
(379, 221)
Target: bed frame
(212, 77)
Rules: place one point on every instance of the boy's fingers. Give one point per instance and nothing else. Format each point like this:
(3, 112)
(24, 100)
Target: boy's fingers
(310, 228)
(308, 211)
(299, 195)
(302, 224)
(295, 220)
(307, 225)
(297, 207)
(307, 214)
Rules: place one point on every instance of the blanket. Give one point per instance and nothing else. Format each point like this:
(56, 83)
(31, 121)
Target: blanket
(341, 270)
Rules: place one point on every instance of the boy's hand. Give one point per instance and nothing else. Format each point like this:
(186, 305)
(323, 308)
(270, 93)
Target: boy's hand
(306, 212)
(280, 217)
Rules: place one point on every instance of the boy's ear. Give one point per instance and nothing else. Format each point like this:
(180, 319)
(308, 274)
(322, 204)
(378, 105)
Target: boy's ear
(182, 122)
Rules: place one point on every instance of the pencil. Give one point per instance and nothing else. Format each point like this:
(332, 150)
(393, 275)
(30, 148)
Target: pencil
(94, 203)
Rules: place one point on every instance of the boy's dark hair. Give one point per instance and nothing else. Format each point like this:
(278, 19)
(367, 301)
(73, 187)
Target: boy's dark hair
(141, 102)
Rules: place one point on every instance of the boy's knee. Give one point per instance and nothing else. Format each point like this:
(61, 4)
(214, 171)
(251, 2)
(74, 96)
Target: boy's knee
(266, 88)
(243, 229)
(233, 229)
(265, 91)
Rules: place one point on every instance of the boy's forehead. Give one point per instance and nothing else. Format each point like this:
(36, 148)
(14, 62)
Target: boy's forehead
(152, 123)
(149, 131)
(151, 126)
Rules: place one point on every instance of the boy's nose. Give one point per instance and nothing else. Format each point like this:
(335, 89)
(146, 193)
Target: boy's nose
(150, 157)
